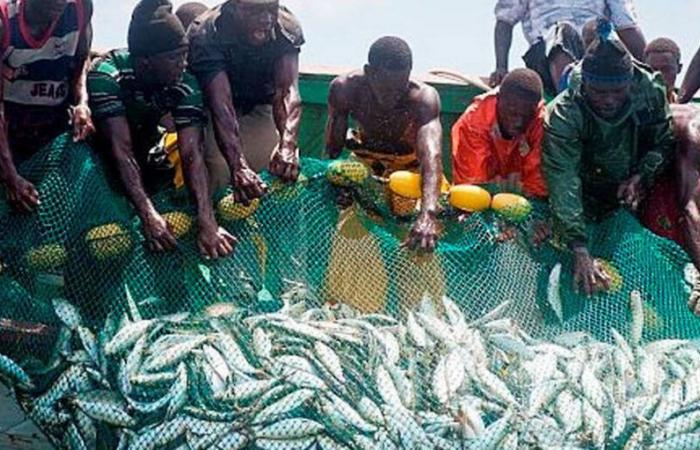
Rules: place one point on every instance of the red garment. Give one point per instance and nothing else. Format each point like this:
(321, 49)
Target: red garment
(661, 212)
(481, 155)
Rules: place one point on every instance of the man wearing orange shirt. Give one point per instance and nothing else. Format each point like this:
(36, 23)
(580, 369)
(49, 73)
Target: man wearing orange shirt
(498, 139)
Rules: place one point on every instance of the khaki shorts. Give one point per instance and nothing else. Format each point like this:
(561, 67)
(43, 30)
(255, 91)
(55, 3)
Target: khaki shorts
(259, 136)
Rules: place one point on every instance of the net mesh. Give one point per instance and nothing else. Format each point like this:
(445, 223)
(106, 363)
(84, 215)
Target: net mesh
(323, 331)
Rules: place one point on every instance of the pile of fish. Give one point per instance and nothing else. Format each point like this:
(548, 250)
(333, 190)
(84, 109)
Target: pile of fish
(328, 378)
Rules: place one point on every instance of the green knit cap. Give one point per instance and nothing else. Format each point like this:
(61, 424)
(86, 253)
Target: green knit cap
(155, 29)
(607, 60)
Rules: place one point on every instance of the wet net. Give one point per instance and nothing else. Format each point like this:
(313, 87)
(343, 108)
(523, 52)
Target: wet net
(323, 331)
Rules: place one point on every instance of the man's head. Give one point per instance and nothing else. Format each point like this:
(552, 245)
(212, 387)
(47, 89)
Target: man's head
(47, 11)
(663, 55)
(389, 70)
(607, 71)
(255, 20)
(158, 43)
(190, 11)
(519, 97)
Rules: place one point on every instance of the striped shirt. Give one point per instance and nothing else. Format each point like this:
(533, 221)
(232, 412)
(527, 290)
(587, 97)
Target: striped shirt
(538, 16)
(38, 72)
(114, 92)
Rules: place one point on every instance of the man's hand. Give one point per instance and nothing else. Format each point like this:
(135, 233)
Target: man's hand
(284, 164)
(497, 77)
(22, 194)
(506, 234)
(247, 185)
(215, 242)
(81, 120)
(630, 192)
(589, 273)
(158, 234)
(541, 232)
(424, 234)
(694, 301)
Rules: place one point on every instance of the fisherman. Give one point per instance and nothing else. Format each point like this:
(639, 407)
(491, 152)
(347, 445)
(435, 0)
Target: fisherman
(552, 29)
(686, 120)
(130, 91)
(606, 140)
(45, 47)
(664, 56)
(499, 138)
(662, 211)
(399, 126)
(245, 54)
(188, 12)
(673, 207)
(589, 34)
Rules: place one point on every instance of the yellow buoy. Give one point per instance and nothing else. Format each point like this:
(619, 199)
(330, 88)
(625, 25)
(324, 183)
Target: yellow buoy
(512, 207)
(108, 241)
(46, 257)
(406, 184)
(347, 173)
(287, 192)
(179, 222)
(470, 198)
(231, 211)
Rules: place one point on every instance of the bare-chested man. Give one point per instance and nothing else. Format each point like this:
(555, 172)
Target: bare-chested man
(399, 126)
(686, 121)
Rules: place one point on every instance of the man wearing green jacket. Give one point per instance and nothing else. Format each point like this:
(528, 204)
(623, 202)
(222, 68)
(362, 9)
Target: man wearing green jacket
(606, 140)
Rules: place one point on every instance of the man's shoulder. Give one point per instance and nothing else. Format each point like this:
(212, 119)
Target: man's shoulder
(647, 81)
(349, 84)
(189, 81)
(424, 101)
(564, 110)
(290, 27)
(113, 64)
(481, 112)
(423, 92)
(204, 26)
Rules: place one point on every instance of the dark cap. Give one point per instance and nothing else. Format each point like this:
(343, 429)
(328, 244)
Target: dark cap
(607, 60)
(155, 29)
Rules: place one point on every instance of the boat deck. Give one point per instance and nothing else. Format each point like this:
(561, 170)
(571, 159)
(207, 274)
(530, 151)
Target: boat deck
(17, 432)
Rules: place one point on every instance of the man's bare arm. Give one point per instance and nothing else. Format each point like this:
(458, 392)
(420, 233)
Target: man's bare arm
(503, 38)
(424, 234)
(220, 102)
(429, 146)
(338, 118)
(155, 228)
(691, 82)
(81, 117)
(247, 184)
(634, 40)
(213, 242)
(20, 193)
(83, 55)
(286, 109)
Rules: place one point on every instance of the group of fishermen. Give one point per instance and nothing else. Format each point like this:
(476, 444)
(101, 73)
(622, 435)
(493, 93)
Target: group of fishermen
(226, 81)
